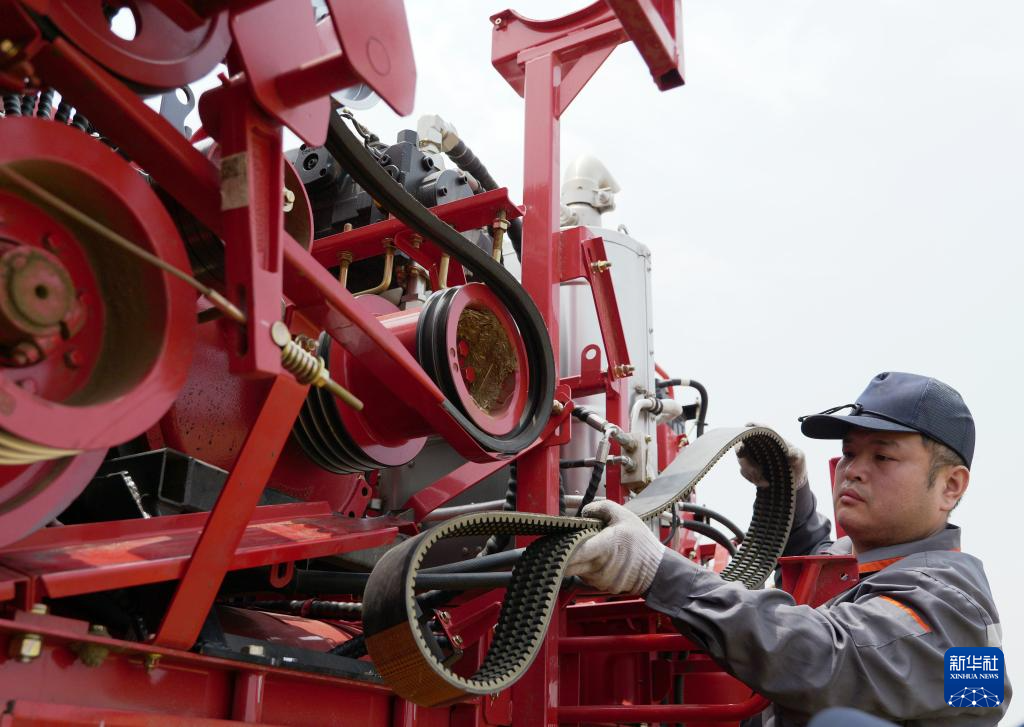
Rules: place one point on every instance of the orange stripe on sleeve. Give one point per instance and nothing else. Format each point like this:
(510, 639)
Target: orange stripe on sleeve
(909, 610)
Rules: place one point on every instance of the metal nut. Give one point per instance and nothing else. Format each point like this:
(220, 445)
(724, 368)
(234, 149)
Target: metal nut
(599, 266)
(151, 660)
(8, 48)
(557, 407)
(457, 641)
(26, 647)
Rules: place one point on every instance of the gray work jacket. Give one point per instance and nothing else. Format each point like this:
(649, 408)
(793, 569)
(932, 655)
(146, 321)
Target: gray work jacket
(878, 647)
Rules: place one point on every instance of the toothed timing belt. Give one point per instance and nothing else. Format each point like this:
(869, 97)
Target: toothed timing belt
(407, 654)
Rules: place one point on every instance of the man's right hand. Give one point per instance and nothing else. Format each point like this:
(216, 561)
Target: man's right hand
(753, 471)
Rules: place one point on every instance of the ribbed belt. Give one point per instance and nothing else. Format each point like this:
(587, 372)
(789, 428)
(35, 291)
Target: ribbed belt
(406, 652)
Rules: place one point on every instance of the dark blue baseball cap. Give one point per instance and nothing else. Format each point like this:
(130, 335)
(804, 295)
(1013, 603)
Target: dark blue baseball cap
(898, 402)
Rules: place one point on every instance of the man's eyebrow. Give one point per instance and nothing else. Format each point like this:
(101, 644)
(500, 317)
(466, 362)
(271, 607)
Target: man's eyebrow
(886, 442)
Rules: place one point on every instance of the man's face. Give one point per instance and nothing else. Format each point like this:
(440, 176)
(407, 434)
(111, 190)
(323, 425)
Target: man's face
(881, 493)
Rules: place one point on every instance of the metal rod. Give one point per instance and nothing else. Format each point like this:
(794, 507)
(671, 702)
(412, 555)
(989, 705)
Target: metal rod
(389, 266)
(442, 272)
(499, 226)
(344, 260)
(219, 301)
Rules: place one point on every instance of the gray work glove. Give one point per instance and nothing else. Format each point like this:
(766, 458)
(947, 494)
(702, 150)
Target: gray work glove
(752, 471)
(623, 557)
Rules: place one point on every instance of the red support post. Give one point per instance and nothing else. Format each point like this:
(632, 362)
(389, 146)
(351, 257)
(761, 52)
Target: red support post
(231, 514)
(536, 694)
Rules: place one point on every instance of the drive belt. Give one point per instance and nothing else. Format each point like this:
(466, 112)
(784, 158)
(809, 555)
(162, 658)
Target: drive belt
(408, 655)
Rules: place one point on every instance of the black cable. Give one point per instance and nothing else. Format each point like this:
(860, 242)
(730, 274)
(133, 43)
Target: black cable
(705, 529)
(496, 543)
(702, 413)
(595, 481)
(709, 513)
(674, 525)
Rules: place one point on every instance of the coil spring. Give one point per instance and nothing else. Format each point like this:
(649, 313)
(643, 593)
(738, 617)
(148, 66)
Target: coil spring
(15, 451)
(300, 363)
(41, 105)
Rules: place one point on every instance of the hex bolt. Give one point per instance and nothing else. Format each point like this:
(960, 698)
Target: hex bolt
(151, 660)
(599, 266)
(557, 407)
(457, 641)
(8, 48)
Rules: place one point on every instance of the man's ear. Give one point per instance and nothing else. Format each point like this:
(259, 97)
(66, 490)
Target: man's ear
(954, 484)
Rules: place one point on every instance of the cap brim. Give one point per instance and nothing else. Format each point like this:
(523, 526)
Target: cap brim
(835, 426)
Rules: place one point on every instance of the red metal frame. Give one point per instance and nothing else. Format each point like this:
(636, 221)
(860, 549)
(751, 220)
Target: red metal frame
(281, 79)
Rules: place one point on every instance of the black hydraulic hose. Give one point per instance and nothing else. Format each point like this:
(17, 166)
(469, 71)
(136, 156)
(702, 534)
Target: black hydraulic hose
(705, 529)
(343, 145)
(500, 542)
(709, 513)
(702, 415)
(312, 581)
(467, 161)
(595, 481)
(28, 104)
(480, 563)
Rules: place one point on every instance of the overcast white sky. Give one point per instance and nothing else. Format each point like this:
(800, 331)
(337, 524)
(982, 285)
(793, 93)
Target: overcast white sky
(837, 191)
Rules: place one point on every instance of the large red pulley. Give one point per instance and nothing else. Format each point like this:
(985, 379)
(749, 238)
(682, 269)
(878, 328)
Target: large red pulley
(484, 373)
(160, 52)
(94, 342)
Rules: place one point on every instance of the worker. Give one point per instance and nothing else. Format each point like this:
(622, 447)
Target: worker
(907, 446)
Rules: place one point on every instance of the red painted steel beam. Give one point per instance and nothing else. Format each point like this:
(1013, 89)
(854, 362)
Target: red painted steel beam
(632, 713)
(168, 684)
(231, 514)
(655, 27)
(80, 559)
(464, 214)
(624, 643)
(252, 220)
